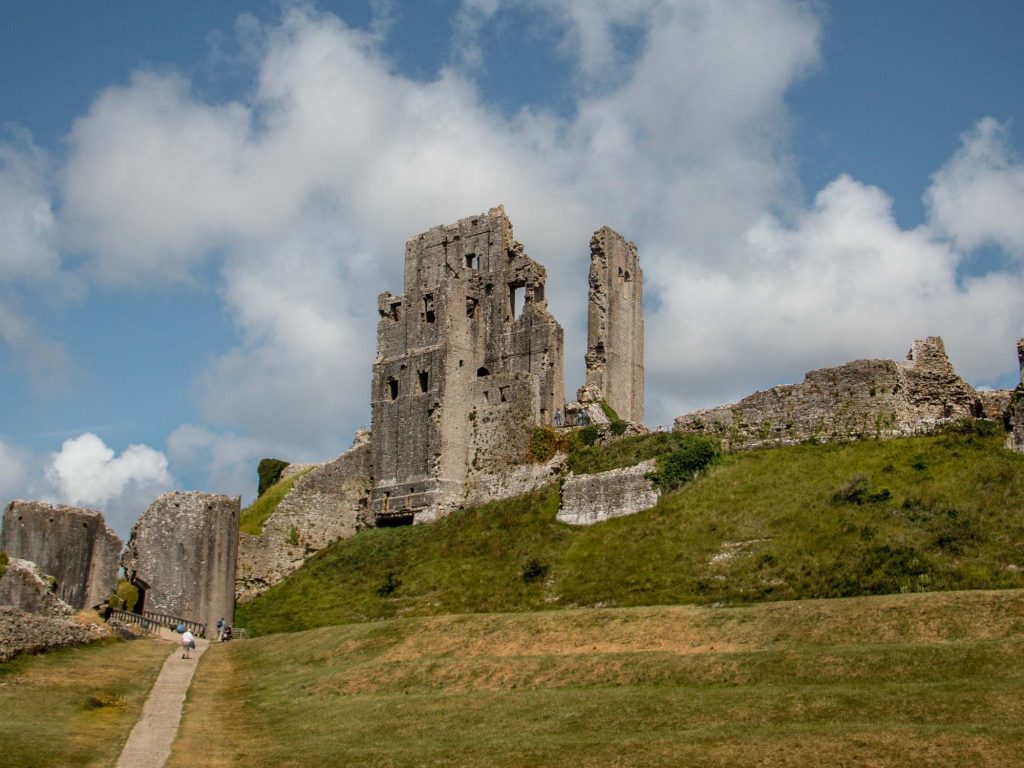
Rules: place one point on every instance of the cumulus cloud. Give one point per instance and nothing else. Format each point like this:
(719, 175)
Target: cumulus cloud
(977, 198)
(839, 282)
(85, 472)
(299, 197)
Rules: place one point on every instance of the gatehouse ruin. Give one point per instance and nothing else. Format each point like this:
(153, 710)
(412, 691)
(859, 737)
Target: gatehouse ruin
(73, 546)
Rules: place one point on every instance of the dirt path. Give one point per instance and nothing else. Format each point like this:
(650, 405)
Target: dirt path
(149, 744)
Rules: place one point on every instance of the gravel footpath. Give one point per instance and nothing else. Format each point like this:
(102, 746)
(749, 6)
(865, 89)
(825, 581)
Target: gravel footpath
(149, 744)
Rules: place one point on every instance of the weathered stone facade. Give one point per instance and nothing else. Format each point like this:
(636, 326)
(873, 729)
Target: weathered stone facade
(23, 587)
(589, 499)
(73, 545)
(182, 555)
(468, 360)
(615, 325)
(864, 398)
(1015, 409)
(327, 503)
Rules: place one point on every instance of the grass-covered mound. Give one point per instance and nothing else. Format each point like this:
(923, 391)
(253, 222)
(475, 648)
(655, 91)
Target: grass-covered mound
(902, 680)
(252, 517)
(943, 512)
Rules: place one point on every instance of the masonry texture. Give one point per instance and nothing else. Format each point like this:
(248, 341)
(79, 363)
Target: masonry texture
(23, 587)
(182, 554)
(1015, 409)
(468, 360)
(589, 499)
(73, 545)
(615, 325)
(864, 398)
(327, 503)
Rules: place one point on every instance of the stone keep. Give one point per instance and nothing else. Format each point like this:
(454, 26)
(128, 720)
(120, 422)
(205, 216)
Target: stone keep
(1015, 411)
(72, 545)
(615, 325)
(468, 360)
(182, 555)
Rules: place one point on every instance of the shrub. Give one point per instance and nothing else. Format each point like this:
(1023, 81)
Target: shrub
(391, 583)
(293, 536)
(855, 491)
(125, 596)
(534, 570)
(3, 563)
(270, 472)
(692, 454)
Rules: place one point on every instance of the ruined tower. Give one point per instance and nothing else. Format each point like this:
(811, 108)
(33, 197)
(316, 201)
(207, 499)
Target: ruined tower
(615, 324)
(468, 360)
(1015, 411)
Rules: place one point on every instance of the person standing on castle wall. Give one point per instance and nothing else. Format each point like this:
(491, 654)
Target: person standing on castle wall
(188, 642)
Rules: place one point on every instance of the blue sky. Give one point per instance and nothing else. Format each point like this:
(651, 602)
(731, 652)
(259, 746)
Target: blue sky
(200, 201)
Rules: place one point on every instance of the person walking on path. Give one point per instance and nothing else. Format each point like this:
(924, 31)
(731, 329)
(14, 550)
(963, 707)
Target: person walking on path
(149, 744)
(188, 642)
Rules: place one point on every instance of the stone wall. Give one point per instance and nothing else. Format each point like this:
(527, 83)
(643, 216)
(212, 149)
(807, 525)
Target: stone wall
(182, 554)
(1015, 409)
(469, 342)
(73, 545)
(23, 587)
(327, 503)
(23, 632)
(864, 398)
(615, 324)
(589, 499)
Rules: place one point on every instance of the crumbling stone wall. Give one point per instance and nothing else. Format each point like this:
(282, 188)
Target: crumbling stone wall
(589, 499)
(615, 325)
(182, 553)
(327, 503)
(23, 632)
(470, 339)
(23, 587)
(73, 545)
(1015, 409)
(864, 398)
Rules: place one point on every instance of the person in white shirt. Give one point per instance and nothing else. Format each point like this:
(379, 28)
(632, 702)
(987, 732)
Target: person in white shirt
(188, 642)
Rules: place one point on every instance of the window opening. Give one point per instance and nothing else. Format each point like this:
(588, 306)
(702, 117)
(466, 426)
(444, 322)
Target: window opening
(428, 308)
(515, 299)
(392, 387)
(471, 305)
(472, 261)
(481, 372)
(503, 392)
(424, 381)
(396, 520)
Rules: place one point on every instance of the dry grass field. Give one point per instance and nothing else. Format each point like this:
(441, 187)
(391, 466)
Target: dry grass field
(903, 680)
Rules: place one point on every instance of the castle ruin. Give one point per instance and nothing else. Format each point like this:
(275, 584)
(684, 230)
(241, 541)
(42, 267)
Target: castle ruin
(470, 339)
(72, 545)
(615, 325)
(1015, 409)
(182, 556)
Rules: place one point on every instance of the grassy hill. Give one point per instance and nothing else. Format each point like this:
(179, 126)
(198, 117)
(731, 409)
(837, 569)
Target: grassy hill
(942, 512)
(897, 680)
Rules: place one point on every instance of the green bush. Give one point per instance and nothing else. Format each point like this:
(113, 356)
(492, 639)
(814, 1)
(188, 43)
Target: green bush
(3, 563)
(270, 472)
(680, 465)
(125, 596)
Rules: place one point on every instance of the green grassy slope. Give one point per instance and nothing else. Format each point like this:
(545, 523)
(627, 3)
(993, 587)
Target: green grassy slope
(943, 512)
(252, 517)
(901, 680)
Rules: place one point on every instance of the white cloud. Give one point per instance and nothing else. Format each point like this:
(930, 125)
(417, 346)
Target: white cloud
(27, 223)
(85, 472)
(977, 198)
(303, 193)
(226, 462)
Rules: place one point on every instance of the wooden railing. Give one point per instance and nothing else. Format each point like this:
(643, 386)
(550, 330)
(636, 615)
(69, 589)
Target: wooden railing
(134, 618)
(152, 621)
